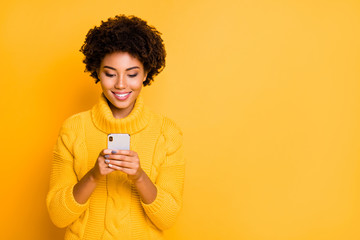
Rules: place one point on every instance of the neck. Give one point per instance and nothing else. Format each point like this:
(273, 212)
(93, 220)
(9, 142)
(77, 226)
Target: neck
(130, 121)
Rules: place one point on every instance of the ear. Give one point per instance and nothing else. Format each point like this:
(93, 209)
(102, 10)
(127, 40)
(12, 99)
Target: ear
(145, 76)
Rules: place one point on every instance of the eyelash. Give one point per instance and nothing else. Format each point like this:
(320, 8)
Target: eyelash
(112, 75)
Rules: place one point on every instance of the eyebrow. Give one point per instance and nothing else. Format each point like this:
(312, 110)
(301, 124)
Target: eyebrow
(126, 69)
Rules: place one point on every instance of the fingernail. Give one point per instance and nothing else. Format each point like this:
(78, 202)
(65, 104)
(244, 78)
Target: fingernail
(106, 156)
(113, 151)
(110, 165)
(107, 161)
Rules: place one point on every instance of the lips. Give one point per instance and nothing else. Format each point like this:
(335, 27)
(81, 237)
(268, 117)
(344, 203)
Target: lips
(121, 95)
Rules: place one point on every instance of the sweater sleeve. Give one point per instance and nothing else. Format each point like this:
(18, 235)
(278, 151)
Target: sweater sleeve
(164, 210)
(61, 204)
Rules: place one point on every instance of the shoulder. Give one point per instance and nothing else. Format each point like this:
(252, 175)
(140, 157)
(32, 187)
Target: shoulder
(169, 126)
(71, 134)
(172, 133)
(74, 120)
(73, 124)
(166, 124)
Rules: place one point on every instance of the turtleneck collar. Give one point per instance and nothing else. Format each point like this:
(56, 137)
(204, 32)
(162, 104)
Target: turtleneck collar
(134, 122)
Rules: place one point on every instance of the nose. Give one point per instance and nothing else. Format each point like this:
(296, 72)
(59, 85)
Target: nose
(120, 82)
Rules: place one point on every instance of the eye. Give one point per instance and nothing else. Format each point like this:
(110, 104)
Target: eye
(132, 75)
(109, 75)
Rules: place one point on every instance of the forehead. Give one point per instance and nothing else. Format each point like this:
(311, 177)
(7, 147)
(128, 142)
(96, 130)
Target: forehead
(120, 60)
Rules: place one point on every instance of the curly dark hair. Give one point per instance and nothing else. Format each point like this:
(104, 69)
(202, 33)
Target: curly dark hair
(125, 34)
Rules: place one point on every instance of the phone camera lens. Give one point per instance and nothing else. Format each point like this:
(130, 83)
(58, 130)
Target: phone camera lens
(110, 138)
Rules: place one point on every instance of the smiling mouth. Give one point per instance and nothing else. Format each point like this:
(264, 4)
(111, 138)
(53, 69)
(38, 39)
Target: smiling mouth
(122, 95)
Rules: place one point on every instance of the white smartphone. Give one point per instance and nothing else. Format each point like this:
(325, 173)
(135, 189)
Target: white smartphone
(118, 141)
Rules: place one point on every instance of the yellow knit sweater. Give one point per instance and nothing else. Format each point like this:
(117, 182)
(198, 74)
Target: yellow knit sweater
(115, 209)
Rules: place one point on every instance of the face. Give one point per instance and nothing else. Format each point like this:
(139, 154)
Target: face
(121, 76)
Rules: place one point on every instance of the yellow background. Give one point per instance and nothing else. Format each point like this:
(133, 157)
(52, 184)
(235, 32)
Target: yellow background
(267, 94)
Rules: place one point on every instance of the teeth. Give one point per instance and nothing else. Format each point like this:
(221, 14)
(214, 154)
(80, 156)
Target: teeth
(122, 95)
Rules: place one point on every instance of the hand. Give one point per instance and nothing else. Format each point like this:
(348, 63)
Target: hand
(101, 168)
(126, 161)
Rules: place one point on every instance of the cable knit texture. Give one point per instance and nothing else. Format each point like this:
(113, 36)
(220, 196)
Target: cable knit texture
(115, 209)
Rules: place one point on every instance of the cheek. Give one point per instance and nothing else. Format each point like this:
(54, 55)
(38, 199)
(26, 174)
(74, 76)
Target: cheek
(106, 84)
(136, 84)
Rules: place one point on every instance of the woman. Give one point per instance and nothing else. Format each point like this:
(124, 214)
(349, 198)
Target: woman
(100, 193)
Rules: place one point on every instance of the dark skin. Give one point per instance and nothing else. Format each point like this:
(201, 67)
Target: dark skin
(121, 160)
(119, 72)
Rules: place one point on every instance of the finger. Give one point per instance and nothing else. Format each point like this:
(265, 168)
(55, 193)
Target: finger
(114, 167)
(120, 158)
(105, 169)
(128, 171)
(105, 166)
(123, 152)
(121, 164)
(105, 152)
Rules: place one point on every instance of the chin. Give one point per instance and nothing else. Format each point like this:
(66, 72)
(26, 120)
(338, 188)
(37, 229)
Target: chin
(122, 104)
